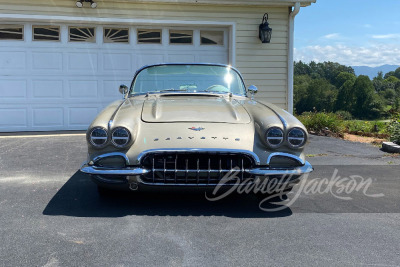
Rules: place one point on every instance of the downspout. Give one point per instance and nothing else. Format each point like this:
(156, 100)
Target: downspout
(292, 14)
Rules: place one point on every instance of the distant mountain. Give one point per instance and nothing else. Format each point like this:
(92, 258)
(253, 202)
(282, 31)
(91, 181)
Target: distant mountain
(372, 72)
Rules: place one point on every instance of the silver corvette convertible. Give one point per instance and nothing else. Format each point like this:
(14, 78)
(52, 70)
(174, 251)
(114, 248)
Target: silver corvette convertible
(192, 126)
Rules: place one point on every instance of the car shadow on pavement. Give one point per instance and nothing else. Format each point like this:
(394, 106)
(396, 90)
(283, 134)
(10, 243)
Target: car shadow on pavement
(79, 197)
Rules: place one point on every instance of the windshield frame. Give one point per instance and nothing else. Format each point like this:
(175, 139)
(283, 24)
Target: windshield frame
(186, 64)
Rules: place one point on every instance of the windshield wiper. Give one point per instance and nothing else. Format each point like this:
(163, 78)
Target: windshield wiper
(174, 90)
(167, 90)
(211, 91)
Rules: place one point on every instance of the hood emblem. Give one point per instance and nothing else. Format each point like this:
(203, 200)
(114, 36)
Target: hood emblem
(197, 129)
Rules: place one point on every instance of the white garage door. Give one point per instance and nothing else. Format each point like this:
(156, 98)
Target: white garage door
(58, 77)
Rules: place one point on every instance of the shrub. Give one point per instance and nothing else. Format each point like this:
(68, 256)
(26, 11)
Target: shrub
(344, 115)
(365, 127)
(322, 123)
(394, 128)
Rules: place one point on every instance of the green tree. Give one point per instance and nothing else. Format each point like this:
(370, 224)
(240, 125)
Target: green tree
(389, 95)
(387, 75)
(332, 70)
(397, 73)
(344, 77)
(365, 97)
(378, 82)
(301, 68)
(379, 76)
(301, 82)
(346, 97)
(321, 95)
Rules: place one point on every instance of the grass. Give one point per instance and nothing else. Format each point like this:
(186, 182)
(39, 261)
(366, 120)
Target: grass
(323, 123)
(366, 128)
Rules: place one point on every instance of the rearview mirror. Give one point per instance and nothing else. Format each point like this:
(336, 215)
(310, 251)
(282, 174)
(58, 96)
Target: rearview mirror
(123, 89)
(253, 90)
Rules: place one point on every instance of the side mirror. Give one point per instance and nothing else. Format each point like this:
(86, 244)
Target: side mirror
(123, 89)
(253, 90)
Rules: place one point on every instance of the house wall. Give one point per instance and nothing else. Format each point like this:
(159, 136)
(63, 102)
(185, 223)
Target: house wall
(264, 65)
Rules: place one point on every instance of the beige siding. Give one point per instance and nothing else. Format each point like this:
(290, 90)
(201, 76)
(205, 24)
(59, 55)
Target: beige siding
(264, 65)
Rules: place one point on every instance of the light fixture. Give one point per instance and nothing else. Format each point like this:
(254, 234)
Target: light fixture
(79, 3)
(264, 30)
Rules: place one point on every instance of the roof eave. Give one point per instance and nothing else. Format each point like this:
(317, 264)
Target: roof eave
(303, 3)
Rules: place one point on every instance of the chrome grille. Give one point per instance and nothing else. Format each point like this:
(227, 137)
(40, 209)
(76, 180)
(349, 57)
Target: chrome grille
(194, 168)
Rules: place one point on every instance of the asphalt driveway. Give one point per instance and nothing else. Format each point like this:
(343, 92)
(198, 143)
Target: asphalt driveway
(51, 215)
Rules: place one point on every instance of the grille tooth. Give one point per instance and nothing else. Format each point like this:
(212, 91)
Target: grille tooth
(209, 171)
(153, 171)
(187, 170)
(176, 161)
(197, 168)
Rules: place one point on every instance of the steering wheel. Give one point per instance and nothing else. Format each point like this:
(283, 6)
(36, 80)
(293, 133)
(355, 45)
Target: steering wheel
(218, 88)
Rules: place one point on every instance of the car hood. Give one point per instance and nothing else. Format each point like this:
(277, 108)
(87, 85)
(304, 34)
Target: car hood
(194, 109)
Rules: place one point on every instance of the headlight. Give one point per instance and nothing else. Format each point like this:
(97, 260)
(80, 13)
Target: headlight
(98, 137)
(296, 137)
(274, 137)
(120, 137)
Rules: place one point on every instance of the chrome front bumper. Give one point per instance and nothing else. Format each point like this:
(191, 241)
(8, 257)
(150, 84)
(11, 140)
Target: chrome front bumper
(123, 174)
(135, 171)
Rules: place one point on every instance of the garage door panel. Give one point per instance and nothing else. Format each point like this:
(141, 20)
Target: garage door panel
(13, 60)
(82, 116)
(117, 62)
(181, 58)
(82, 62)
(51, 61)
(83, 89)
(146, 58)
(13, 89)
(64, 85)
(47, 89)
(214, 58)
(13, 117)
(43, 117)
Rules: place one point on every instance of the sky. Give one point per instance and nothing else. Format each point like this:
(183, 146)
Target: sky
(351, 32)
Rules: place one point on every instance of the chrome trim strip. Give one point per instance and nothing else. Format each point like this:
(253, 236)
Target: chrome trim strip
(306, 168)
(111, 120)
(193, 170)
(107, 171)
(206, 150)
(284, 122)
(287, 155)
(113, 154)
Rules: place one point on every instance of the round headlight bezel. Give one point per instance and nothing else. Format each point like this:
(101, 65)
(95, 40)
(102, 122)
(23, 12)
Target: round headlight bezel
(274, 146)
(304, 138)
(91, 137)
(128, 138)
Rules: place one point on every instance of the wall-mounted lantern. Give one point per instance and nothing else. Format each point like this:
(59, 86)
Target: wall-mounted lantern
(79, 3)
(264, 30)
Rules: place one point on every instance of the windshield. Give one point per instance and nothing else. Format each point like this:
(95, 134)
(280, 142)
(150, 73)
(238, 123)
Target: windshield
(188, 78)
